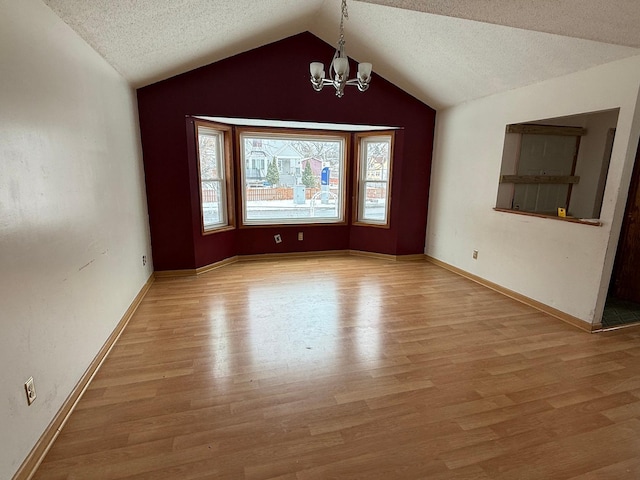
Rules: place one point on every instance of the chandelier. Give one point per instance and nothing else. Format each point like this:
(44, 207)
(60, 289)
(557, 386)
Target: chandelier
(339, 67)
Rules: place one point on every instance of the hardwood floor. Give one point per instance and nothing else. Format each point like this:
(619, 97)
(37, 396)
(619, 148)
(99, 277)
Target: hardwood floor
(352, 367)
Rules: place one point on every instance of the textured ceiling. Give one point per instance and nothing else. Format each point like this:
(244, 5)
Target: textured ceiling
(149, 40)
(609, 21)
(443, 52)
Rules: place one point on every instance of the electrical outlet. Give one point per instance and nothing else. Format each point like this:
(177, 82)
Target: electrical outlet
(300, 236)
(277, 238)
(30, 389)
(144, 260)
(475, 254)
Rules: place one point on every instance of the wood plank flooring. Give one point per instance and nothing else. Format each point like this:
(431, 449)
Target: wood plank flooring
(352, 368)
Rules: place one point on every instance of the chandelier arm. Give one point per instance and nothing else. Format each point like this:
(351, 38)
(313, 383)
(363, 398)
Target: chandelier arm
(332, 72)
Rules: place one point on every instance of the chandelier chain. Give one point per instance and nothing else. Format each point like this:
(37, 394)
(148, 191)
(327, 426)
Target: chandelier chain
(345, 14)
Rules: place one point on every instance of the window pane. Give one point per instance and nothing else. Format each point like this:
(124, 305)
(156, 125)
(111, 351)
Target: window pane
(209, 156)
(301, 179)
(377, 167)
(212, 208)
(375, 201)
(373, 172)
(211, 160)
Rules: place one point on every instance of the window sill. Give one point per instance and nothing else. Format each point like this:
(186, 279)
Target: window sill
(225, 228)
(370, 224)
(275, 224)
(592, 222)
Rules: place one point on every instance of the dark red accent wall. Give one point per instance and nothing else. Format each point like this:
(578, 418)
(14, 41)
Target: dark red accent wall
(272, 82)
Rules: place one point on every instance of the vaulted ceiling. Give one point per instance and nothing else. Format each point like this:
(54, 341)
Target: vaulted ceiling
(444, 52)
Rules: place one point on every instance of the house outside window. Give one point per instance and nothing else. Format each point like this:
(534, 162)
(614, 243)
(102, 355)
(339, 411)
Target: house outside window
(292, 188)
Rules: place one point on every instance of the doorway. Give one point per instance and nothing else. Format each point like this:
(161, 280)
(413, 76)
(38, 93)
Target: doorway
(623, 301)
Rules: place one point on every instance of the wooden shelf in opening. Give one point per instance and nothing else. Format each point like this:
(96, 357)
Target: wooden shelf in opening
(540, 179)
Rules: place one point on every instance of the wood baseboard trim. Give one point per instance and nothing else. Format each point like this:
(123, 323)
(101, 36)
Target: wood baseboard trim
(601, 328)
(282, 256)
(213, 266)
(42, 446)
(418, 257)
(565, 317)
(386, 256)
(189, 272)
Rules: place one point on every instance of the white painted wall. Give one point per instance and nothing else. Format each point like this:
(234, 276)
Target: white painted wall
(73, 219)
(564, 265)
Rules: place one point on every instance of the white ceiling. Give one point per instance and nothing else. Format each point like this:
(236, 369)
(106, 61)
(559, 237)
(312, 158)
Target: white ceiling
(608, 21)
(443, 52)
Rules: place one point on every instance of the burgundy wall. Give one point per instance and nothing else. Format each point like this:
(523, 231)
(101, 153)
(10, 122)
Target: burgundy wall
(253, 85)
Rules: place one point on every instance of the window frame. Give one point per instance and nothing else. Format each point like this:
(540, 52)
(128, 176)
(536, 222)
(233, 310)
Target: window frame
(226, 182)
(359, 187)
(242, 132)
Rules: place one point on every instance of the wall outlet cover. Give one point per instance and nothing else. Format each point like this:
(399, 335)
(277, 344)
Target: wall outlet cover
(30, 389)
